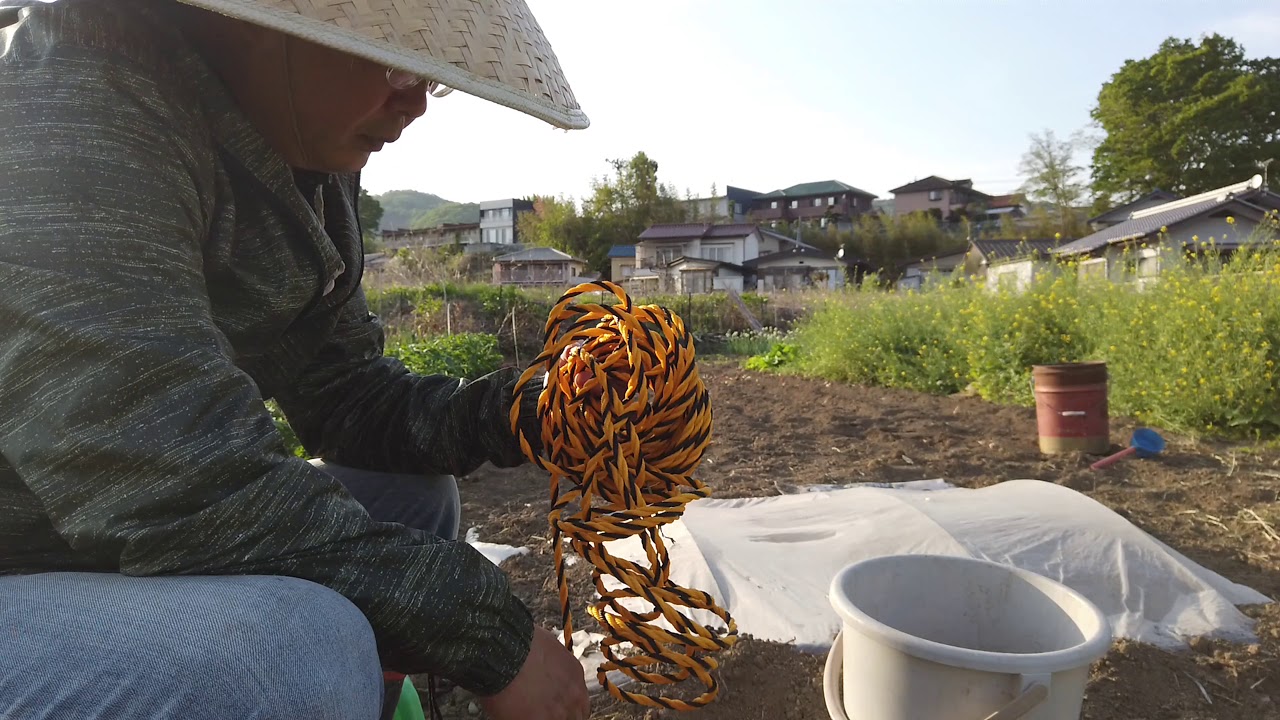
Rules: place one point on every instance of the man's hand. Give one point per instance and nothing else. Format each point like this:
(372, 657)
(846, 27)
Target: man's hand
(549, 686)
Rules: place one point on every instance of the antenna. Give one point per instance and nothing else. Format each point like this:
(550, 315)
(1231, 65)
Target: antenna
(1263, 165)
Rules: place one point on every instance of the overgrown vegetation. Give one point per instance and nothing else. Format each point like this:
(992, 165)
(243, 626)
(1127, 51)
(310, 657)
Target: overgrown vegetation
(1194, 350)
(467, 355)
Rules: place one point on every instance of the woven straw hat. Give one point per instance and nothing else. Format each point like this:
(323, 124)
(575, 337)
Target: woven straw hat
(493, 49)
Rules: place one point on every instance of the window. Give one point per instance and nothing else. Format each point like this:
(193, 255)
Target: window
(1094, 269)
(506, 235)
(817, 202)
(831, 201)
(667, 255)
(935, 195)
(1008, 280)
(719, 253)
(773, 205)
(795, 203)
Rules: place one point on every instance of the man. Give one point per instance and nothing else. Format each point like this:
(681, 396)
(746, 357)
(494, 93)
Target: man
(179, 241)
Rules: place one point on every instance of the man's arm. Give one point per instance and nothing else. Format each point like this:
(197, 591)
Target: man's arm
(151, 452)
(354, 406)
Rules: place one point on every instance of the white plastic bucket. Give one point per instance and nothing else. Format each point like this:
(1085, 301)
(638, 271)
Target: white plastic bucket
(928, 637)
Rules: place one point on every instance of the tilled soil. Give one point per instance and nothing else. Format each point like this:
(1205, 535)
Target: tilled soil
(1216, 502)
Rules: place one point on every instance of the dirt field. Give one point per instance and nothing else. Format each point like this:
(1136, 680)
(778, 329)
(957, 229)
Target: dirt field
(771, 432)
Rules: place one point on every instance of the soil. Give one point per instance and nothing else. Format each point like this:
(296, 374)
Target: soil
(1216, 502)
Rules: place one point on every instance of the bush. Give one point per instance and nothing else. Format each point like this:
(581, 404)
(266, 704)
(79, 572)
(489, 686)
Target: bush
(467, 355)
(1198, 349)
(410, 313)
(291, 443)
(906, 341)
(1003, 336)
(780, 354)
(1193, 349)
(741, 343)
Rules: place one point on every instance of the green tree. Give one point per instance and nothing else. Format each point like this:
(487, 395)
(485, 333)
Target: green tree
(630, 200)
(1009, 229)
(555, 222)
(1189, 118)
(1052, 176)
(370, 214)
(621, 206)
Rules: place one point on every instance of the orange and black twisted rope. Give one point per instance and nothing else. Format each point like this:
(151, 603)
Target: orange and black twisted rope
(625, 419)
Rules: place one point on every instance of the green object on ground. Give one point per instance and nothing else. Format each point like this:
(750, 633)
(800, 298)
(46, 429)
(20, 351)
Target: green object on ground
(410, 706)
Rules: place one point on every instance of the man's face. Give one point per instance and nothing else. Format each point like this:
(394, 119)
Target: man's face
(345, 108)
(321, 109)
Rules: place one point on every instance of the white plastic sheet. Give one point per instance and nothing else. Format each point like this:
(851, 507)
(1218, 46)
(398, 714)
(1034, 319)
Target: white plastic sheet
(771, 560)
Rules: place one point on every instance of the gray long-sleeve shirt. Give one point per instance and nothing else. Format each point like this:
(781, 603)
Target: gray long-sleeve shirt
(162, 271)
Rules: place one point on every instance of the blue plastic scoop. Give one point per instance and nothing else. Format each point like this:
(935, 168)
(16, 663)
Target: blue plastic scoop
(1145, 443)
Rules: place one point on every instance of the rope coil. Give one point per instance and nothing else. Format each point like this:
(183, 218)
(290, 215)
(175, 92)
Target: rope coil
(625, 419)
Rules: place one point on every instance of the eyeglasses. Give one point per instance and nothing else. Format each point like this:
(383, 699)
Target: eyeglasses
(402, 80)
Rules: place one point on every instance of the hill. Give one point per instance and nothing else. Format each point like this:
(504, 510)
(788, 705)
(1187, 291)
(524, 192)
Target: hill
(413, 209)
(448, 213)
(401, 207)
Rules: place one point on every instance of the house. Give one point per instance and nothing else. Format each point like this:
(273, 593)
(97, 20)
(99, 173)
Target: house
(1010, 264)
(697, 276)
(816, 202)
(946, 199)
(731, 207)
(622, 262)
(711, 254)
(449, 234)
(985, 253)
(538, 267)
(499, 221)
(919, 274)
(999, 207)
(1135, 248)
(799, 267)
(1117, 215)
(702, 257)
(661, 244)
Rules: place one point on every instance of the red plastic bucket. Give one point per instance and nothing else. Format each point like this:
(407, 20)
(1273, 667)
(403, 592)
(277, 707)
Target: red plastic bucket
(1071, 407)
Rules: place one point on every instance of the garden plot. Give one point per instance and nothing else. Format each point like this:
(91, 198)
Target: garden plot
(1208, 509)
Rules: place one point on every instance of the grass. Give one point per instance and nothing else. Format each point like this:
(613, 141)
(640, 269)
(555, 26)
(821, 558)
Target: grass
(1193, 350)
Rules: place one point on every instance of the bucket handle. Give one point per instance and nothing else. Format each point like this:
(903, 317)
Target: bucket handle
(1034, 692)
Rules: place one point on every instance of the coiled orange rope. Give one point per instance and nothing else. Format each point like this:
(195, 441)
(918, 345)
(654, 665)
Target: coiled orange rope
(625, 419)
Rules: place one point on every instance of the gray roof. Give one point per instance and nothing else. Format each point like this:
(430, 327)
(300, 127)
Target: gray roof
(823, 187)
(690, 260)
(689, 231)
(1139, 227)
(730, 231)
(1121, 213)
(535, 254)
(786, 238)
(994, 250)
(933, 182)
(519, 203)
(1149, 221)
(806, 251)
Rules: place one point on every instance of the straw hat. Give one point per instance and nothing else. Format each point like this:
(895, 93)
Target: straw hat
(493, 49)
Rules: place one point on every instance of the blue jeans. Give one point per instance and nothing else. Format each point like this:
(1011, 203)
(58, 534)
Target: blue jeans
(102, 646)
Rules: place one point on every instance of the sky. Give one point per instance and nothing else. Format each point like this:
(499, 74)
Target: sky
(765, 94)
